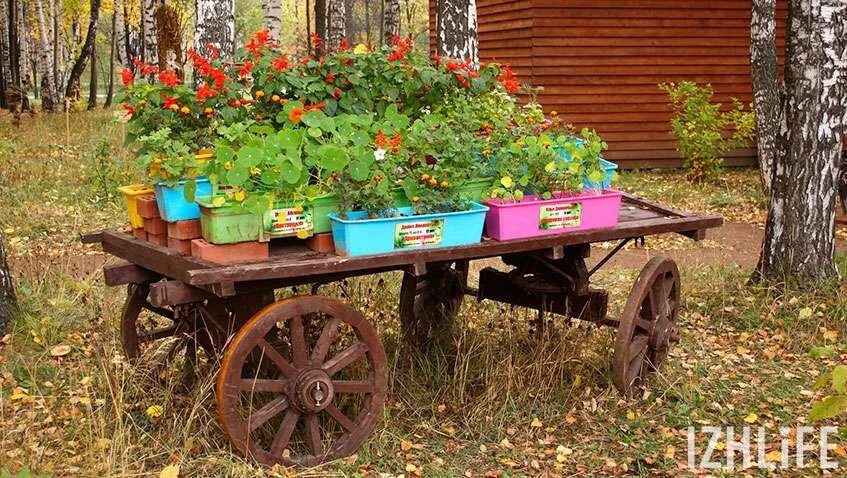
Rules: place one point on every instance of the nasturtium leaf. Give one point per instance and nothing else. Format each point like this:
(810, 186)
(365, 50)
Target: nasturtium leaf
(223, 153)
(315, 132)
(238, 175)
(332, 158)
(290, 139)
(314, 118)
(189, 191)
(291, 174)
(359, 170)
(250, 156)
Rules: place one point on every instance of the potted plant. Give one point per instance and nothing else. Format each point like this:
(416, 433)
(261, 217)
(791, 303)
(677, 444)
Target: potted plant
(539, 192)
(369, 220)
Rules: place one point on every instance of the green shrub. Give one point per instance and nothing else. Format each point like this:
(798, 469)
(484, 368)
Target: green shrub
(704, 132)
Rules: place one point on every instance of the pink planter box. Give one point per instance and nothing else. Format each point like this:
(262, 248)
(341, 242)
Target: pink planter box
(566, 213)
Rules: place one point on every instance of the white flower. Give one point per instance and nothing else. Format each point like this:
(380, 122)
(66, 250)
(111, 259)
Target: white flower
(379, 154)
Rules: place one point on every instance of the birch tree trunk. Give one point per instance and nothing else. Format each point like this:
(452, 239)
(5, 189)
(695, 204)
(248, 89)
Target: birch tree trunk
(5, 68)
(272, 10)
(24, 41)
(391, 21)
(809, 116)
(336, 29)
(113, 47)
(45, 60)
(72, 89)
(58, 48)
(150, 46)
(8, 300)
(456, 29)
(92, 84)
(119, 30)
(216, 26)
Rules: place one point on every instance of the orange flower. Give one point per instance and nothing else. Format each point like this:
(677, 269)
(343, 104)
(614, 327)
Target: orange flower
(296, 115)
(381, 141)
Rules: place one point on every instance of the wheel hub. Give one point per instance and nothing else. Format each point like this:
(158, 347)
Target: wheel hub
(311, 391)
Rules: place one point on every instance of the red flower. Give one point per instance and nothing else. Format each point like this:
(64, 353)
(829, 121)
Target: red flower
(204, 92)
(144, 68)
(402, 46)
(396, 141)
(437, 59)
(218, 78)
(169, 78)
(280, 63)
(343, 45)
(453, 65)
(246, 68)
(127, 77)
(258, 42)
(330, 77)
(317, 106)
(316, 40)
(296, 115)
(169, 101)
(130, 110)
(381, 141)
(508, 79)
(336, 92)
(214, 53)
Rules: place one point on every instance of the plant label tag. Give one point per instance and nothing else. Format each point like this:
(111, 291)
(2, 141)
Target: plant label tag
(289, 221)
(560, 216)
(418, 233)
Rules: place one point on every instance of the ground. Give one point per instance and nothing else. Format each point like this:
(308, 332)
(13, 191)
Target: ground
(500, 402)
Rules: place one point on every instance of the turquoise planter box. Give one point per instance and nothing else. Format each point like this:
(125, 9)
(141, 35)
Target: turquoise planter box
(172, 204)
(359, 236)
(609, 167)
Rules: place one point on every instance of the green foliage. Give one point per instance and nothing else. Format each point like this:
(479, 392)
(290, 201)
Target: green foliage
(103, 172)
(704, 132)
(836, 404)
(167, 158)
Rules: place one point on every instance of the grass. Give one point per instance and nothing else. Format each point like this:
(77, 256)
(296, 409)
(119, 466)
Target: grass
(503, 403)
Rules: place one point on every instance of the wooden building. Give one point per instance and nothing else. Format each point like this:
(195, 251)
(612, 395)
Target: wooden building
(600, 62)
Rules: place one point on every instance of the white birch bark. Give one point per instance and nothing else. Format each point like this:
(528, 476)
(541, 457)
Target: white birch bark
(272, 18)
(216, 26)
(58, 48)
(120, 34)
(456, 29)
(799, 240)
(148, 32)
(45, 60)
(336, 29)
(390, 21)
(24, 40)
(5, 59)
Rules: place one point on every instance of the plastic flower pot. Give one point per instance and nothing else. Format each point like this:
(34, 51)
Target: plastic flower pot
(323, 206)
(172, 203)
(131, 193)
(227, 224)
(477, 189)
(565, 213)
(356, 235)
(288, 220)
(609, 167)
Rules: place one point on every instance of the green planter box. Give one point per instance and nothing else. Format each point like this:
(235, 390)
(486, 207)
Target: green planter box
(227, 224)
(477, 189)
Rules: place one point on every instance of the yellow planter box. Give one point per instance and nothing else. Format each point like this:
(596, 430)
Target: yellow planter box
(130, 193)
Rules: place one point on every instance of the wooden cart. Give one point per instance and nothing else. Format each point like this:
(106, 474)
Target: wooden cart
(303, 380)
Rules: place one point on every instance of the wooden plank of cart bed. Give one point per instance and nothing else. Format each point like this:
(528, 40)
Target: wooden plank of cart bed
(284, 267)
(162, 260)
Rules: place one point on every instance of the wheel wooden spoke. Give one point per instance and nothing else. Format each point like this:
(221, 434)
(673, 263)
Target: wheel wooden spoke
(283, 435)
(638, 347)
(340, 417)
(328, 335)
(278, 360)
(300, 350)
(270, 410)
(352, 386)
(345, 358)
(645, 325)
(313, 435)
(158, 334)
(263, 385)
(176, 348)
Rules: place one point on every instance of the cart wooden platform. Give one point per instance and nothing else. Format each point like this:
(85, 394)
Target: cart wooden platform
(303, 380)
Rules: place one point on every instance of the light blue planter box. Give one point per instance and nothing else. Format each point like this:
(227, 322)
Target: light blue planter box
(172, 204)
(587, 184)
(359, 236)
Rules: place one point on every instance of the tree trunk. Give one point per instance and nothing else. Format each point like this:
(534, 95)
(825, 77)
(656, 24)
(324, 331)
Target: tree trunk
(169, 39)
(45, 60)
(799, 242)
(58, 47)
(216, 26)
(72, 90)
(766, 97)
(5, 70)
(272, 18)
(456, 29)
(92, 85)
(320, 22)
(25, 63)
(112, 52)
(148, 32)
(368, 31)
(391, 21)
(337, 27)
(119, 31)
(8, 301)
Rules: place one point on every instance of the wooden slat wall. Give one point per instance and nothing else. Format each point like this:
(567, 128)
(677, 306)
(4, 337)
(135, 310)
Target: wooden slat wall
(600, 61)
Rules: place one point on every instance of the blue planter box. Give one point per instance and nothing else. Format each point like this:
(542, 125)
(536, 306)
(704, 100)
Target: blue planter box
(587, 184)
(359, 236)
(172, 204)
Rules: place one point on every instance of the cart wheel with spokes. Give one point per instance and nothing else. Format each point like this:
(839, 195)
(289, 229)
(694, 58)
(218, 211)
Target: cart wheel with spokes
(182, 335)
(647, 325)
(303, 382)
(429, 304)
